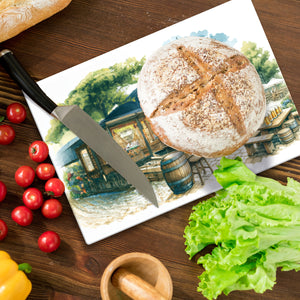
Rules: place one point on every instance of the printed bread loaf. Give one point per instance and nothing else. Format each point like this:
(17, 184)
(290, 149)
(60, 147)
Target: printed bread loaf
(18, 15)
(201, 96)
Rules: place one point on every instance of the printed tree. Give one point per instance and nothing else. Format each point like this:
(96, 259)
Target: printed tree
(99, 92)
(267, 69)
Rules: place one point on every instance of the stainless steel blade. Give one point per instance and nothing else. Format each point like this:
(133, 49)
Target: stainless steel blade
(92, 134)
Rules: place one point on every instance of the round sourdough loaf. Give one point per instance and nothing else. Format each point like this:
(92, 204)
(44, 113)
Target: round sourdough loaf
(201, 96)
(18, 15)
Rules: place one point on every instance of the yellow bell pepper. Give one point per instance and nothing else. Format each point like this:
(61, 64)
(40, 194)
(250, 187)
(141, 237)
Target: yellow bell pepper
(14, 284)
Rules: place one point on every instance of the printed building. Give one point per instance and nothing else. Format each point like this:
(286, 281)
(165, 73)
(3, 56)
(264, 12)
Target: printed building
(88, 174)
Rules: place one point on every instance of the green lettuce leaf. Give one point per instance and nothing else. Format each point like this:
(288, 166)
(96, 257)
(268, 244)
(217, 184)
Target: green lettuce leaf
(254, 223)
(233, 171)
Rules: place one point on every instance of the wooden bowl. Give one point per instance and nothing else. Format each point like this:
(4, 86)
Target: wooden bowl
(137, 275)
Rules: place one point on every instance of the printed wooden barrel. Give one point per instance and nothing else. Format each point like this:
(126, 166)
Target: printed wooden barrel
(292, 124)
(295, 115)
(286, 135)
(177, 172)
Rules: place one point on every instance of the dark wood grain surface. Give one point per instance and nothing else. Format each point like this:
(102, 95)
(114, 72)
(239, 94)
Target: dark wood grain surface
(83, 30)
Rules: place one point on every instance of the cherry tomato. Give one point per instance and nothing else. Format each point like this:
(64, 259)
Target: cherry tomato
(54, 187)
(33, 198)
(22, 215)
(38, 151)
(45, 171)
(16, 113)
(24, 176)
(3, 191)
(7, 134)
(3, 230)
(51, 208)
(49, 241)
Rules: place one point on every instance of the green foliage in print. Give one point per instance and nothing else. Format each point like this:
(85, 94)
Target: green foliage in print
(99, 92)
(267, 69)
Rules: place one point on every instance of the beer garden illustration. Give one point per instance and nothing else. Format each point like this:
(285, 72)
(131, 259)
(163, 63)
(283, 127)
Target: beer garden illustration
(102, 201)
(87, 174)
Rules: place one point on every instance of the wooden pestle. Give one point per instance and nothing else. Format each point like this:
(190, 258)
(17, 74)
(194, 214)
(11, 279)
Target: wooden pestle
(134, 286)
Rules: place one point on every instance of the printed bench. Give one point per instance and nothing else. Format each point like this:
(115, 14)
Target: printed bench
(266, 139)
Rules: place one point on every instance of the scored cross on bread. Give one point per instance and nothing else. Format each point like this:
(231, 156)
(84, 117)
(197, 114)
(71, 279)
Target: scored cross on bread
(201, 96)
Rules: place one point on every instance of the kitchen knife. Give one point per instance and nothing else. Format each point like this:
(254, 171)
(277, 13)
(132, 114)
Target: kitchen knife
(81, 124)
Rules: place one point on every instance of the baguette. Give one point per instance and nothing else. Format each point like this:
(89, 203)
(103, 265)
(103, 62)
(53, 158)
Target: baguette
(18, 15)
(201, 96)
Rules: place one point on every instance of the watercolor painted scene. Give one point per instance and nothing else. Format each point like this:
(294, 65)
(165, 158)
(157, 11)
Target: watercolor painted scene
(105, 87)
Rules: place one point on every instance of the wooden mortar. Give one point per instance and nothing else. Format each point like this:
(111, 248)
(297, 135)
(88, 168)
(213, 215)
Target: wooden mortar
(137, 276)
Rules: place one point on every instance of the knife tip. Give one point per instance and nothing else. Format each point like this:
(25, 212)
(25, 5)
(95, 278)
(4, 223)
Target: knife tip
(151, 196)
(155, 203)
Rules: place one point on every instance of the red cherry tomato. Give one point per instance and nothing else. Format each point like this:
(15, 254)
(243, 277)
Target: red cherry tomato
(38, 151)
(24, 176)
(45, 171)
(3, 230)
(7, 134)
(54, 187)
(16, 113)
(33, 198)
(49, 241)
(3, 191)
(51, 208)
(22, 215)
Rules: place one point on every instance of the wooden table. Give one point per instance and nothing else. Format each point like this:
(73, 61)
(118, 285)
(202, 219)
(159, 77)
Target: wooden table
(86, 29)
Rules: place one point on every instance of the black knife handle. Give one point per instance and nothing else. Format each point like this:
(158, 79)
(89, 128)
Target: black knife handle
(25, 81)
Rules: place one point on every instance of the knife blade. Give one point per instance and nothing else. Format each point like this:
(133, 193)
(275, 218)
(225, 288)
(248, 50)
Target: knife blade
(81, 124)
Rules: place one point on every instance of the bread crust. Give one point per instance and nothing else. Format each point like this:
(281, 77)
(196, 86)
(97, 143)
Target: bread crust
(18, 15)
(201, 96)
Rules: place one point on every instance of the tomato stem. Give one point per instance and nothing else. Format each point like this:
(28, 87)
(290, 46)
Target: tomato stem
(49, 193)
(33, 150)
